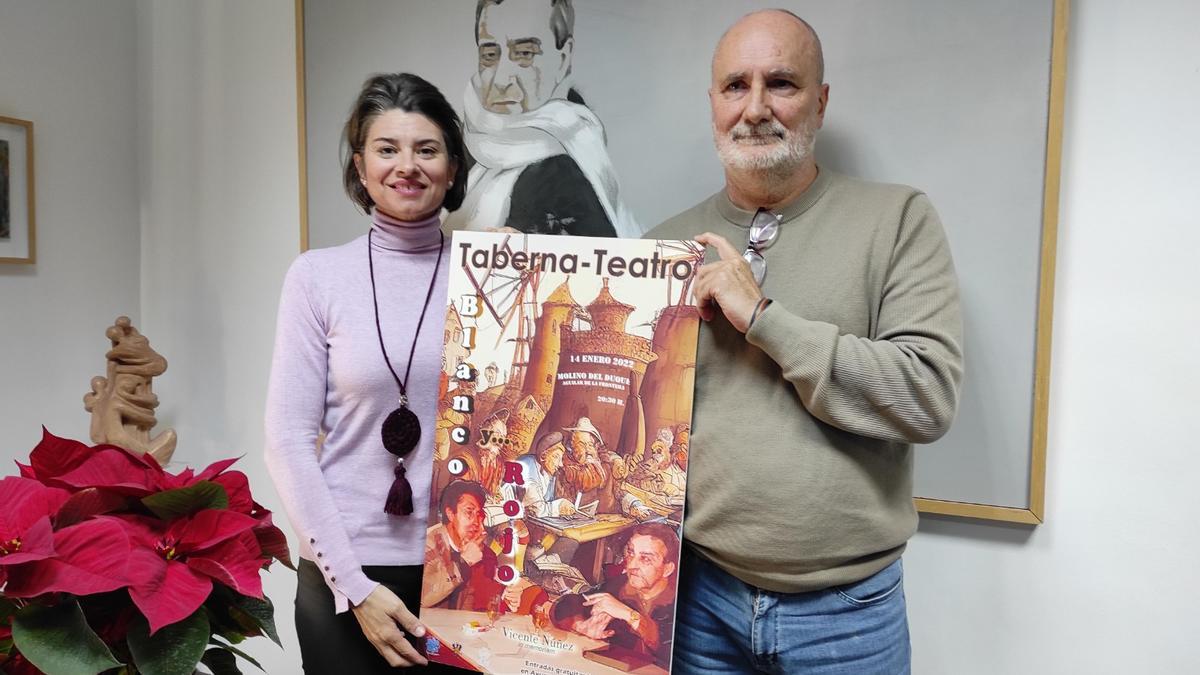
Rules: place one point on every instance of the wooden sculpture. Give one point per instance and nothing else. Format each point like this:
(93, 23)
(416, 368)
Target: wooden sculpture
(122, 404)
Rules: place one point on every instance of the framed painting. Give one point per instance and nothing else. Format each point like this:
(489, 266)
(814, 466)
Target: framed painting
(960, 98)
(17, 205)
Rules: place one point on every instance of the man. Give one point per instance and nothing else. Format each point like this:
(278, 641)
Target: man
(541, 161)
(459, 568)
(657, 475)
(635, 609)
(828, 349)
(661, 473)
(583, 474)
(540, 470)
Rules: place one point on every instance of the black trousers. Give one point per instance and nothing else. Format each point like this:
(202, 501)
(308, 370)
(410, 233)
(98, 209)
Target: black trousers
(334, 644)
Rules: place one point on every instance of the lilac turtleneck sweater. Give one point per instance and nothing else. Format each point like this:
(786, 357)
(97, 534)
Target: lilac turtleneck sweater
(328, 375)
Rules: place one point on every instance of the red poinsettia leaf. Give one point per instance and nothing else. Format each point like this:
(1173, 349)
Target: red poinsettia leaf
(116, 469)
(143, 532)
(26, 501)
(237, 487)
(216, 468)
(26, 471)
(144, 460)
(208, 528)
(168, 591)
(37, 543)
(87, 503)
(55, 456)
(273, 543)
(91, 558)
(146, 570)
(235, 563)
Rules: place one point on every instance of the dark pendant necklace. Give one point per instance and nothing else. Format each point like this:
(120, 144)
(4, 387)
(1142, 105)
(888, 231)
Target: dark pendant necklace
(401, 430)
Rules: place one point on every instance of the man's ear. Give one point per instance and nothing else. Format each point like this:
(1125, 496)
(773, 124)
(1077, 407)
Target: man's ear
(668, 569)
(824, 101)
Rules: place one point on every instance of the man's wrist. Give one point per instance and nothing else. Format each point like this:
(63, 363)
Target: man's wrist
(635, 619)
(759, 308)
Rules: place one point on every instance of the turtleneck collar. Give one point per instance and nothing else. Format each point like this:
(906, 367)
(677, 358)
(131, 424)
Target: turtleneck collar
(417, 236)
(741, 217)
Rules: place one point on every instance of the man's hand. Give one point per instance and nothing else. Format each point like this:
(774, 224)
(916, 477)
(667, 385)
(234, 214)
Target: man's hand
(727, 284)
(512, 594)
(605, 603)
(595, 626)
(472, 551)
(378, 616)
(642, 512)
(617, 463)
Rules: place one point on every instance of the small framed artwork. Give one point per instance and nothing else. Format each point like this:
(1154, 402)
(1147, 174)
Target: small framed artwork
(17, 222)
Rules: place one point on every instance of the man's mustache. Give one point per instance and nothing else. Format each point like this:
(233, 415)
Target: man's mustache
(769, 129)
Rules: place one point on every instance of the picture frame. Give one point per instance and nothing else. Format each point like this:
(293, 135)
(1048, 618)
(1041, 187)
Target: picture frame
(921, 106)
(18, 204)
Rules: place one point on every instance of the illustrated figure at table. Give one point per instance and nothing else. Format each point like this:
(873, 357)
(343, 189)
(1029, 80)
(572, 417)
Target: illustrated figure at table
(634, 609)
(540, 471)
(582, 473)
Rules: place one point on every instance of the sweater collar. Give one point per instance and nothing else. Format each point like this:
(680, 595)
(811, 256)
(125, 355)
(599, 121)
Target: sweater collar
(741, 217)
(417, 236)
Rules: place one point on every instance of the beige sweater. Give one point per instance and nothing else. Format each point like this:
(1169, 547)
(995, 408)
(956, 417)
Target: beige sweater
(800, 474)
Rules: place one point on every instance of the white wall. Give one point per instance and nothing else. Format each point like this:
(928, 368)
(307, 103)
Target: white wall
(1105, 586)
(220, 223)
(70, 67)
(1108, 584)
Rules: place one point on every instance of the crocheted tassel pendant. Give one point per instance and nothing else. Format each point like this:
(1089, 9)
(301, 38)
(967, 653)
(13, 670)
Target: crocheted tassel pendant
(399, 499)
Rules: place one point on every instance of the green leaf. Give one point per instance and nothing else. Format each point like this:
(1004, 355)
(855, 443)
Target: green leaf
(235, 650)
(220, 662)
(173, 650)
(58, 640)
(261, 612)
(171, 504)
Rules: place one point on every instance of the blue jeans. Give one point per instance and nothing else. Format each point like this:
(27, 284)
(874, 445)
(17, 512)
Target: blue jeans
(724, 625)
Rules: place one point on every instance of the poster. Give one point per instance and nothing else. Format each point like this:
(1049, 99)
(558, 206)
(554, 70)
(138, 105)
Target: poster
(560, 457)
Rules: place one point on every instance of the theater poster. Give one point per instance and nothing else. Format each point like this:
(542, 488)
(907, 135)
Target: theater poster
(561, 451)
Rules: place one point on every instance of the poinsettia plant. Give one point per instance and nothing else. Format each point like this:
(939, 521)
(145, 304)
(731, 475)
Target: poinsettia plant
(110, 563)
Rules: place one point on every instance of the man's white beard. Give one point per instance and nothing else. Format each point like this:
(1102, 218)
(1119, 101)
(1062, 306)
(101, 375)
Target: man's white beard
(767, 146)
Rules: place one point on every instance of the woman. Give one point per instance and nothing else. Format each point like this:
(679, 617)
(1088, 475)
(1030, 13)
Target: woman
(360, 327)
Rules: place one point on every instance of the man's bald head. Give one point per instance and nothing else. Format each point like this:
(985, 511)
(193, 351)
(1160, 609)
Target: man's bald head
(805, 35)
(768, 100)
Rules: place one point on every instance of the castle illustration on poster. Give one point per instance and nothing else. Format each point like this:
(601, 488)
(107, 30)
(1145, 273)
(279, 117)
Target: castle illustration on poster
(561, 447)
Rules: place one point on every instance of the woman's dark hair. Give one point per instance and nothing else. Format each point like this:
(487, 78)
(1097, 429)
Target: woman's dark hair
(407, 92)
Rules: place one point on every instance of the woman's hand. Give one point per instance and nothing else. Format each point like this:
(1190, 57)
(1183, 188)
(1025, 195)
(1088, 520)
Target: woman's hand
(378, 616)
